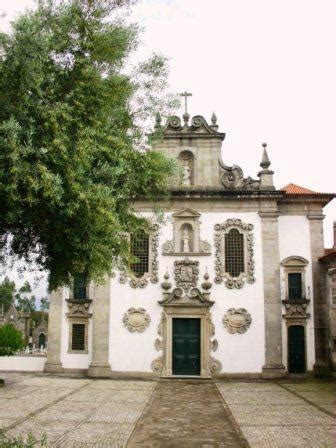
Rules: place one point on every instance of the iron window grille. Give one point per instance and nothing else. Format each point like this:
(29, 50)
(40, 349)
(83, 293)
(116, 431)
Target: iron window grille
(140, 252)
(294, 286)
(78, 337)
(79, 287)
(234, 253)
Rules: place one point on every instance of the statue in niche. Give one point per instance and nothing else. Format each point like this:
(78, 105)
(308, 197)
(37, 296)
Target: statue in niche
(186, 159)
(185, 241)
(186, 179)
(186, 238)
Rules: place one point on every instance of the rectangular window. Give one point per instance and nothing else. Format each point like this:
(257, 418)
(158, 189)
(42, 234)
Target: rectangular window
(78, 337)
(79, 288)
(140, 251)
(294, 286)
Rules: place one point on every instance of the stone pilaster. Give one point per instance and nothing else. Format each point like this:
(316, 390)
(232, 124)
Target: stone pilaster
(320, 300)
(100, 366)
(273, 367)
(54, 364)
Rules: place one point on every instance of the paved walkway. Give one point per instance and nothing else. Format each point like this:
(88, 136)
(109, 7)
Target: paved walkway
(185, 414)
(169, 413)
(284, 414)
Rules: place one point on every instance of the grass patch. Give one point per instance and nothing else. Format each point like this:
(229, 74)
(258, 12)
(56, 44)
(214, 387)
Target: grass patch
(28, 441)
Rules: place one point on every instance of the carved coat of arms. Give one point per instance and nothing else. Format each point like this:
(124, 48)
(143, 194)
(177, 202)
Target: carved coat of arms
(186, 273)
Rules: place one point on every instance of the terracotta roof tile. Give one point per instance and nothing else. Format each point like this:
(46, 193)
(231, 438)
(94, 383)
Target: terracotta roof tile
(329, 254)
(296, 189)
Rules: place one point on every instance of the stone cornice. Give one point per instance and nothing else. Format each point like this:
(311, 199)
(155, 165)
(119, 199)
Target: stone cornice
(269, 214)
(315, 216)
(219, 192)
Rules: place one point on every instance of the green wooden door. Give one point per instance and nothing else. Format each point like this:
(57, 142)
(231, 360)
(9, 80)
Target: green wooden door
(296, 349)
(186, 346)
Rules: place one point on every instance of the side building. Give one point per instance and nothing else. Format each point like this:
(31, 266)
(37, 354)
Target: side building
(230, 285)
(328, 262)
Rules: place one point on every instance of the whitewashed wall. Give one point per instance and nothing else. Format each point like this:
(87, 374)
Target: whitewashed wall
(294, 239)
(237, 352)
(23, 363)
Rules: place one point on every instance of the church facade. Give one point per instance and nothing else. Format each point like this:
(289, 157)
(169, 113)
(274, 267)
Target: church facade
(229, 285)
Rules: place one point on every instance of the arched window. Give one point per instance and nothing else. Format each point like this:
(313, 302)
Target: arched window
(42, 340)
(186, 158)
(234, 259)
(294, 269)
(234, 253)
(186, 238)
(140, 253)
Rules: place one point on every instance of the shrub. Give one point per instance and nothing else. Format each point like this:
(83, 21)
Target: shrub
(10, 340)
(21, 442)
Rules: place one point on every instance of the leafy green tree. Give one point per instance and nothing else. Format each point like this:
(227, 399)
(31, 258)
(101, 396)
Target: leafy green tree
(7, 291)
(26, 304)
(73, 157)
(10, 340)
(44, 304)
(25, 301)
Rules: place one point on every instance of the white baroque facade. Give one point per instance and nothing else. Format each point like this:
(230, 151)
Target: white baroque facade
(233, 285)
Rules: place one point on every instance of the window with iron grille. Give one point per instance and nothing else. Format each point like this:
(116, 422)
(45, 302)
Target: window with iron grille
(78, 337)
(140, 251)
(79, 287)
(234, 253)
(294, 286)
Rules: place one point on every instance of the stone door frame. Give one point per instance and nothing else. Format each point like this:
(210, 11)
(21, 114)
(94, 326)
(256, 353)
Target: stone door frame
(194, 312)
(298, 323)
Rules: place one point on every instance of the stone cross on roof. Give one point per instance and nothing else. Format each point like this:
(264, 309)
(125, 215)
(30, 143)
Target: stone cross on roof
(186, 116)
(186, 94)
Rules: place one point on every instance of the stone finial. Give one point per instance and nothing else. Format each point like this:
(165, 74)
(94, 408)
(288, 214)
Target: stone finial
(186, 117)
(266, 175)
(214, 121)
(158, 121)
(166, 285)
(206, 284)
(265, 161)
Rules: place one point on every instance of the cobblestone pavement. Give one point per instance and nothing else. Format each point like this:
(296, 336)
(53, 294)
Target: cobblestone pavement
(284, 414)
(185, 413)
(72, 412)
(169, 413)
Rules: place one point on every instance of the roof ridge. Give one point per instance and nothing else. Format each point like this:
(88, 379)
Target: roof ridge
(292, 188)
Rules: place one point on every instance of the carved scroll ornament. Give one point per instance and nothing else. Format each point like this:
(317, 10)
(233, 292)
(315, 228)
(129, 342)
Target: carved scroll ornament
(237, 320)
(136, 320)
(248, 274)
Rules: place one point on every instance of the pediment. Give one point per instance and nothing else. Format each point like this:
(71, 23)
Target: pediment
(197, 127)
(194, 298)
(294, 261)
(187, 213)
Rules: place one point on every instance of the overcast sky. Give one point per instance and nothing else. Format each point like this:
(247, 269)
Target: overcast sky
(266, 67)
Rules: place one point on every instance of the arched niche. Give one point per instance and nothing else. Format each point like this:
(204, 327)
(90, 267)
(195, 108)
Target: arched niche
(187, 160)
(186, 237)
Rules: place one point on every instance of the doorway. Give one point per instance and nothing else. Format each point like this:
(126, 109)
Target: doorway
(186, 346)
(296, 349)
